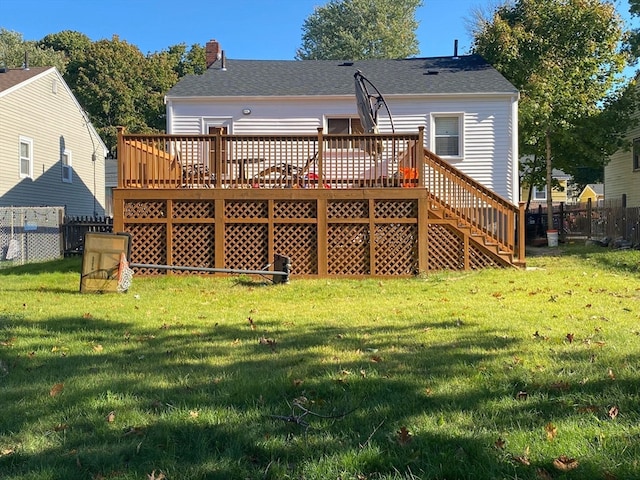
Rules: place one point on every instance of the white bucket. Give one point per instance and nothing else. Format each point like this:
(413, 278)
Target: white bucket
(552, 238)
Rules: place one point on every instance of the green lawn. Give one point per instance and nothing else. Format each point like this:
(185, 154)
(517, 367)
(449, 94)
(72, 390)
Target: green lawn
(492, 374)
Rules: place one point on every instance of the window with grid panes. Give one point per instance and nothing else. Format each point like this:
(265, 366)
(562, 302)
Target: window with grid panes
(26, 157)
(447, 136)
(346, 126)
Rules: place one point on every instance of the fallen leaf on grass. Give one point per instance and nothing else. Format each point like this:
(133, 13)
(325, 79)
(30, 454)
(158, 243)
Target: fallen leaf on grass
(500, 443)
(564, 463)
(153, 476)
(613, 412)
(251, 324)
(60, 427)
(570, 337)
(542, 474)
(111, 417)
(611, 375)
(193, 413)
(551, 430)
(8, 343)
(56, 389)
(376, 359)
(87, 315)
(522, 395)
(521, 459)
(268, 341)
(98, 348)
(404, 436)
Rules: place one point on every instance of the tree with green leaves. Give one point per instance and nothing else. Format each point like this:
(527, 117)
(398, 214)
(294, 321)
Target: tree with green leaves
(73, 44)
(119, 86)
(14, 50)
(565, 58)
(357, 29)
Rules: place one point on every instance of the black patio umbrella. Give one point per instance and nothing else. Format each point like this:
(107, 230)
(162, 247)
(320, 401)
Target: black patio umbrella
(369, 103)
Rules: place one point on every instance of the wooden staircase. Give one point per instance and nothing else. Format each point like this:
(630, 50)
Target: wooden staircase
(481, 217)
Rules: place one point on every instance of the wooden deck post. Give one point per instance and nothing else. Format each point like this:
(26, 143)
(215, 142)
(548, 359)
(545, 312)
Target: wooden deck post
(120, 157)
(320, 152)
(521, 230)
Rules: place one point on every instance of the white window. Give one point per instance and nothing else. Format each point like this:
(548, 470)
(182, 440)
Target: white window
(26, 157)
(447, 135)
(539, 193)
(67, 168)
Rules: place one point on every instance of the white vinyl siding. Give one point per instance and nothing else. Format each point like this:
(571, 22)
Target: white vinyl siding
(26, 157)
(488, 152)
(67, 168)
(55, 123)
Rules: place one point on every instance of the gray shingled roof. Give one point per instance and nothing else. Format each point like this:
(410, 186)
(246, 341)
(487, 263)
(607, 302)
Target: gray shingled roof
(439, 75)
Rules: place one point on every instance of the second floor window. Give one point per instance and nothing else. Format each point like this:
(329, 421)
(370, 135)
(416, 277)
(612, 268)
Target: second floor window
(539, 193)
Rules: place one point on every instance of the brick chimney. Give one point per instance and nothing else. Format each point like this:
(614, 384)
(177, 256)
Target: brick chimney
(212, 52)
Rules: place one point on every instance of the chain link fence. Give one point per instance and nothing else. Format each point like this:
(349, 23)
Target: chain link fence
(30, 234)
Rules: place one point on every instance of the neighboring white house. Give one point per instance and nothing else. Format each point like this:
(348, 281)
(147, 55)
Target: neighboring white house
(622, 173)
(469, 110)
(50, 154)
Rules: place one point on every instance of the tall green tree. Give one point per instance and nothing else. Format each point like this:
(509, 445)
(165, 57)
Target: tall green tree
(357, 29)
(14, 49)
(111, 85)
(565, 58)
(73, 44)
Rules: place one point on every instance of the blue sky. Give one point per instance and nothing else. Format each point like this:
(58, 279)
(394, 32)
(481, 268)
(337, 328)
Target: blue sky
(246, 29)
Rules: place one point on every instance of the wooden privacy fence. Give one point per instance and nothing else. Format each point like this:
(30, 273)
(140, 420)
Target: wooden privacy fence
(610, 219)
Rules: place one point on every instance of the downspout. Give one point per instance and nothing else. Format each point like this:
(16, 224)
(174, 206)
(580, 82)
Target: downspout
(515, 174)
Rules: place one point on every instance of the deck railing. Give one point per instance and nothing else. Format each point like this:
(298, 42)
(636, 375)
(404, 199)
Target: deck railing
(316, 161)
(248, 161)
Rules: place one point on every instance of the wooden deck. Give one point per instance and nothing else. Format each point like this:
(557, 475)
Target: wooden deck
(360, 205)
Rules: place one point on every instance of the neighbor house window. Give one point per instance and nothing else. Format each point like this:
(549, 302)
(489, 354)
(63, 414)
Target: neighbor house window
(539, 193)
(636, 154)
(67, 170)
(26, 157)
(343, 125)
(447, 135)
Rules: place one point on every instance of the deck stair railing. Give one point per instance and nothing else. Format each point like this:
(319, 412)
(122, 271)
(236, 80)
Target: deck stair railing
(473, 205)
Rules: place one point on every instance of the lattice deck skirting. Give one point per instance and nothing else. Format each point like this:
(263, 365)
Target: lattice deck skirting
(355, 233)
